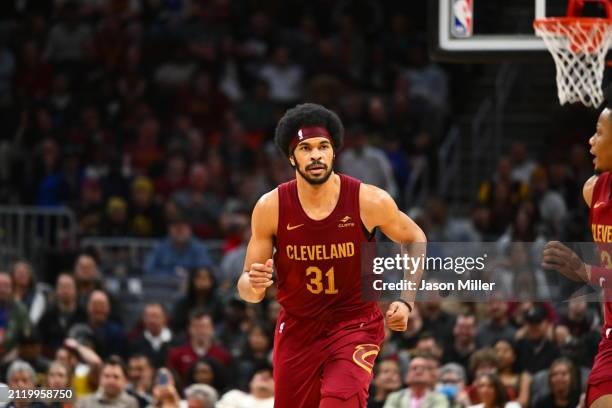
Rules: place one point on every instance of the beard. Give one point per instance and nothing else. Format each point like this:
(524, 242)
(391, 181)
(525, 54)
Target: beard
(315, 180)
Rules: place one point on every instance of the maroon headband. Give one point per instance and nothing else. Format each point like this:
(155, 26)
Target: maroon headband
(307, 133)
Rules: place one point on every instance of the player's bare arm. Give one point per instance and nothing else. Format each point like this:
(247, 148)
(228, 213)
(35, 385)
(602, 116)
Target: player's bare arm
(257, 271)
(559, 257)
(379, 210)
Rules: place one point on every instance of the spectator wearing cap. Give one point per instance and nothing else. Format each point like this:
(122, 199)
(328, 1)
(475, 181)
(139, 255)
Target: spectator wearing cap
(21, 377)
(63, 312)
(260, 395)
(31, 294)
(179, 252)
(156, 337)
(200, 344)
(145, 216)
(29, 350)
(497, 326)
(536, 351)
(421, 377)
(387, 379)
(13, 315)
(201, 396)
(112, 392)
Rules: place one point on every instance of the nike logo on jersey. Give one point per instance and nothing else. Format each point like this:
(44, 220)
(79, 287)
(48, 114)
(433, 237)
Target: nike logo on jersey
(598, 204)
(292, 227)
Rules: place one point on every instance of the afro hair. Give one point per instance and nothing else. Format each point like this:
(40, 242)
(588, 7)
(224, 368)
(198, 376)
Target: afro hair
(307, 114)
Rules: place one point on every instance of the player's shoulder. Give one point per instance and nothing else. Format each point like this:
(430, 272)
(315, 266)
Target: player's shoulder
(268, 201)
(371, 196)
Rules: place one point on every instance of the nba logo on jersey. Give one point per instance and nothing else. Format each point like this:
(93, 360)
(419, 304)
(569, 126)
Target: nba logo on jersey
(462, 21)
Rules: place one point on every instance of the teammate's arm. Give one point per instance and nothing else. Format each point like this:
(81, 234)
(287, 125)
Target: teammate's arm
(257, 271)
(559, 257)
(587, 190)
(378, 210)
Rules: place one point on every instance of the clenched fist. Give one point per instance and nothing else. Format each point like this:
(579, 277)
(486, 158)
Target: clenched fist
(260, 276)
(397, 316)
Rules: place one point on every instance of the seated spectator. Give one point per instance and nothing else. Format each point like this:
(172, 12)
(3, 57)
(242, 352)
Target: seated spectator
(420, 378)
(437, 321)
(174, 178)
(536, 351)
(116, 218)
(517, 382)
(59, 377)
(497, 325)
(261, 392)
(179, 252)
(211, 372)
(106, 336)
(464, 344)
(21, 377)
(87, 277)
(201, 396)
(146, 218)
(90, 209)
(26, 290)
(14, 316)
(387, 379)
(255, 353)
(201, 295)
(165, 394)
(112, 392)
(156, 337)
(140, 379)
(564, 386)
(577, 335)
(492, 393)
(62, 312)
(202, 207)
(28, 350)
(451, 383)
(483, 361)
(368, 163)
(84, 365)
(428, 344)
(201, 344)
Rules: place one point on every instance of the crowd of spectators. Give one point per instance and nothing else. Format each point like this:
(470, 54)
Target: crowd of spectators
(153, 119)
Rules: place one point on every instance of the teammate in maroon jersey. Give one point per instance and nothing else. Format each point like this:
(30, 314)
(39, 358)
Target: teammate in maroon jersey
(327, 336)
(597, 193)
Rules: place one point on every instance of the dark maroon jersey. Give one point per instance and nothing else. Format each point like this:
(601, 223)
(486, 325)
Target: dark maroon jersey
(318, 262)
(601, 227)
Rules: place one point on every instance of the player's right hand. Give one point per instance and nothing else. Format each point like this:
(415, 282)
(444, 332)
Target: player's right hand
(260, 276)
(557, 256)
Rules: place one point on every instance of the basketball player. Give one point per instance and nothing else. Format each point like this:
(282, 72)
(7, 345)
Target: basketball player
(597, 193)
(327, 336)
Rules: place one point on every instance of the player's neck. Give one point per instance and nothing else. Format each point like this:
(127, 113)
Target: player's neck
(313, 195)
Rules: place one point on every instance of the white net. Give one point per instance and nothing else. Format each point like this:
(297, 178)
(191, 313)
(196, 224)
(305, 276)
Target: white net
(579, 48)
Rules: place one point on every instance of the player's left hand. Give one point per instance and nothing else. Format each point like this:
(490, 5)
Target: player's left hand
(397, 316)
(559, 257)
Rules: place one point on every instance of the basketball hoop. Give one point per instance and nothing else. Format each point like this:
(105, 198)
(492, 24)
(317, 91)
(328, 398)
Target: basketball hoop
(579, 46)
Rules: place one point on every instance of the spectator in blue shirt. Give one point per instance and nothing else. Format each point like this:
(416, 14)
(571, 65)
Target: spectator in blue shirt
(179, 251)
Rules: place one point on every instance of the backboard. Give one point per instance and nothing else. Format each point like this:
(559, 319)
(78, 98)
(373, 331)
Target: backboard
(492, 30)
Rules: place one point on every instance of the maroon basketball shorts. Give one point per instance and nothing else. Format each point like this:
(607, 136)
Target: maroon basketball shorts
(600, 379)
(314, 359)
